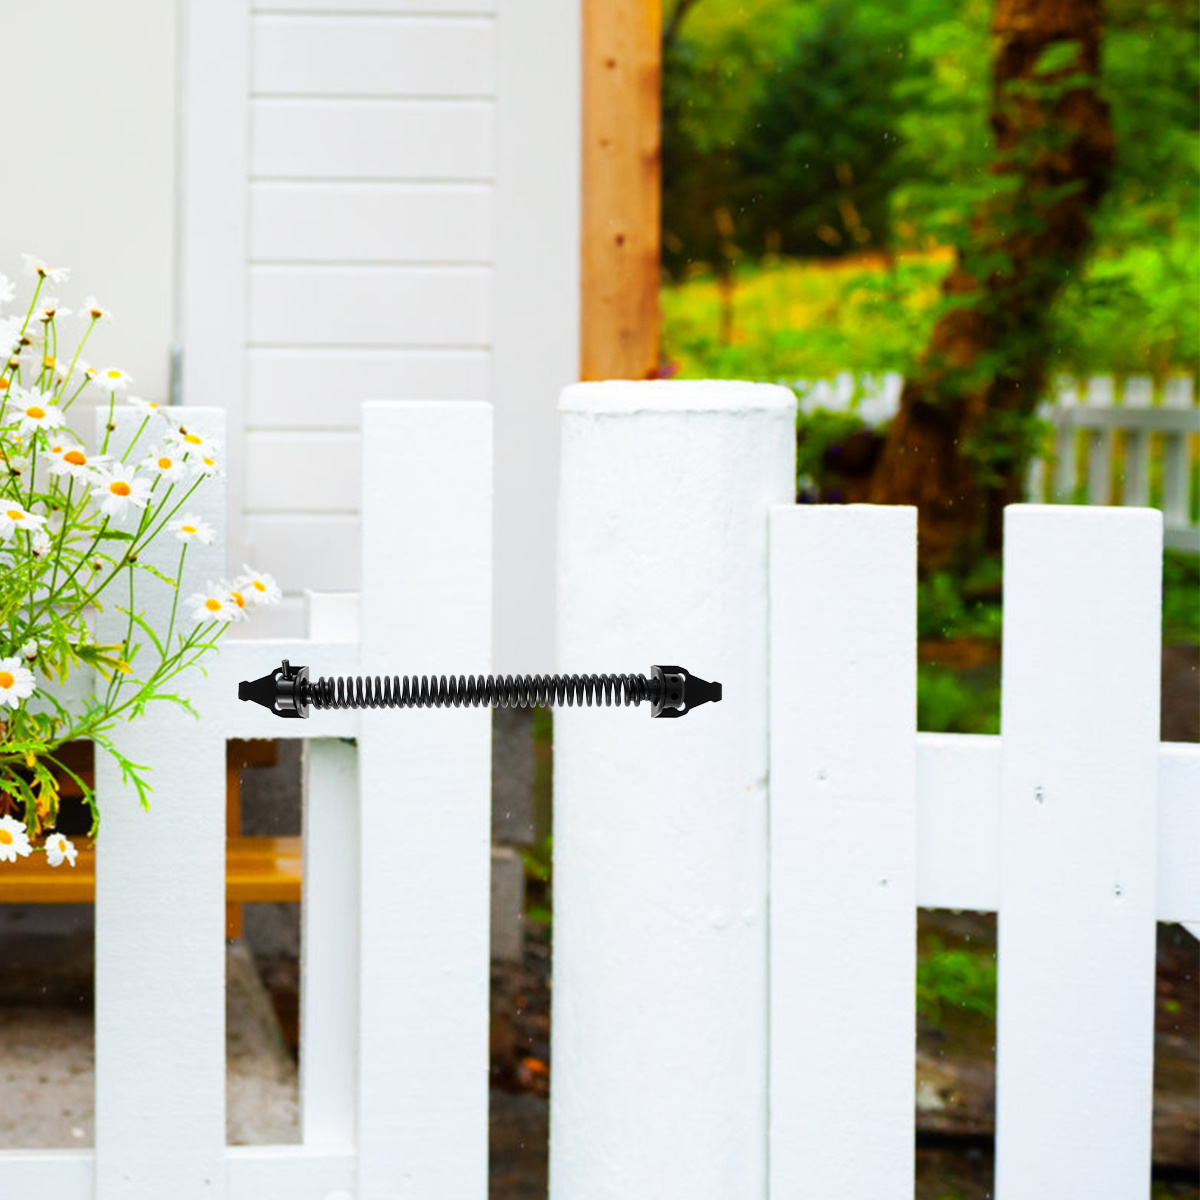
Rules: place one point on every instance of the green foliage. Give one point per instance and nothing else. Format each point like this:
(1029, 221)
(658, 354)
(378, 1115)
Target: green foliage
(539, 875)
(816, 435)
(1181, 598)
(819, 151)
(962, 978)
(1133, 308)
(947, 704)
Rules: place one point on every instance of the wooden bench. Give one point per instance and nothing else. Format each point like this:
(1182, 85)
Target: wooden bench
(256, 868)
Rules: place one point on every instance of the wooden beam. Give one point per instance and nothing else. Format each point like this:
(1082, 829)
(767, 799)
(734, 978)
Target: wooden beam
(622, 71)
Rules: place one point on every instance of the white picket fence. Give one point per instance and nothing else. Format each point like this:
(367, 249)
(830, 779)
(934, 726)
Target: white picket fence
(1130, 443)
(735, 892)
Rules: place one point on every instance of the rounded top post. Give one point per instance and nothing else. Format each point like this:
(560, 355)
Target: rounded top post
(622, 396)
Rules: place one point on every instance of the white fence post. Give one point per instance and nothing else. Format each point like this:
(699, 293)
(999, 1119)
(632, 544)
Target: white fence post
(660, 1007)
(160, 904)
(1075, 1033)
(425, 785)
(843, 841)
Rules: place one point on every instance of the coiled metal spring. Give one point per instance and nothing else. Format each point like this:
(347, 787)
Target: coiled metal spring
(494, 691)
(288, 692)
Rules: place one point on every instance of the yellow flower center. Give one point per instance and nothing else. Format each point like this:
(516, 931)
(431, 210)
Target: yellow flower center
(258, 585)
(211, 604)
(188, 528)
(36, 413)
(76, 458)
(238, 599)
(209, 462)
(112, 374)
(62, 845)
(15, 514)
(6, 680)
(5, 838)
(48, 361)
(119, 488)
(193, 438)
(4, 384)
(165, 463)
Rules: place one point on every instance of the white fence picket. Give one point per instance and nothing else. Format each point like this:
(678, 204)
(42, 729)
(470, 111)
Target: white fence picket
(843, 800)
(425, 812)
(160, 905)
(329, 997)
(1139, 395)
(659, 1005)
(1080, 718)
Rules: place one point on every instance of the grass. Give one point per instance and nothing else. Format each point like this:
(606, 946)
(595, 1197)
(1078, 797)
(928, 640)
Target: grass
(802, 320)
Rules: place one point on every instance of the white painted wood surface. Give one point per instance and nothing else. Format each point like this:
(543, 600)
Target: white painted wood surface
(160, 904)
(371, 139)
(392, 55)
(659, 1006)
(535, 344)
(843, 638)
(305, 305)
(308, 389)
(1080, 716)
(329, 968)
(371, 222)
(215, 73)
(425, 809)
(401, 180)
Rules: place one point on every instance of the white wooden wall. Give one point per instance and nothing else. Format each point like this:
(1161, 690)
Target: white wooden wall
(103, 200)
(380, 202)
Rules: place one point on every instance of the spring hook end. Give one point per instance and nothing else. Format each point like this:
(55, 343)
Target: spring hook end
(682, 691)
(281, 691)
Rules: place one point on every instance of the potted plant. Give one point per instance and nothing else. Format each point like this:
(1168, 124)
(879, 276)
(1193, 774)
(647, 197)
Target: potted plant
(75, 521)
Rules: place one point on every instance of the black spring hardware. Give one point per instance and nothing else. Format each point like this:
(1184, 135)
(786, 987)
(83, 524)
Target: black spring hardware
(288, 691)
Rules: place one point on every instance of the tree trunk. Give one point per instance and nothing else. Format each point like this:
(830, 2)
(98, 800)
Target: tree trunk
(959, 445)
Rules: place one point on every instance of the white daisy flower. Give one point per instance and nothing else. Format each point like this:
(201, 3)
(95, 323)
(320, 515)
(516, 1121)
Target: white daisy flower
(10, 334)
(29, 651)
(16, 681)
(93, 310)
(190, 526)
(238, 600)
(121, 490)
(49, 309)
(147, 408)
(14, 841)
(40, 543)
(113, 379)
(194, 444)
(93, 373)
(213, 604)
(60, 849)
(205, 465)
(36, 266)
(257, 586)
(14, 517)
(72, 459)
(8, 289)
(163, 464)
(39, 416)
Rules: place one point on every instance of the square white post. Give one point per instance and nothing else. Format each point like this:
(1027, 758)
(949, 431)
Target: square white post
(425, 787)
